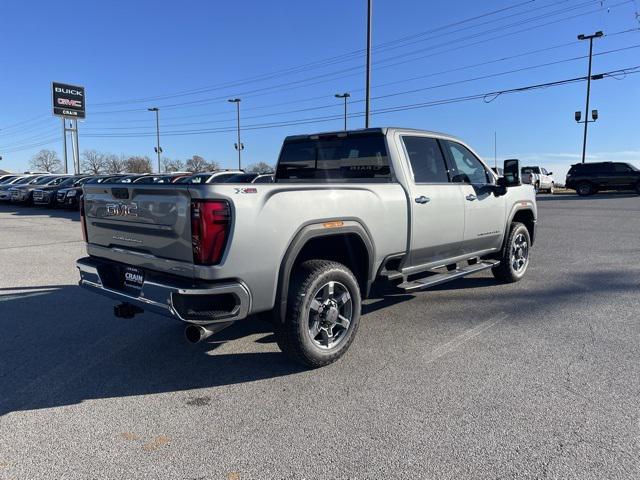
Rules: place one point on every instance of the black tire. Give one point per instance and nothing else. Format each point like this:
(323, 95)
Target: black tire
(584, 189)
(294, 335)
(552, 189)
(506, 271)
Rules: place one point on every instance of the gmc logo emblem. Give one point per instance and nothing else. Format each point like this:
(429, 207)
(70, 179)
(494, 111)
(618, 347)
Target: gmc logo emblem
(122, 209)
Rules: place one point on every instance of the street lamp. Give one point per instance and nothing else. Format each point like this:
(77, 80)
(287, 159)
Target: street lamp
(598, 34)
(158, 149)
(239, 146)
(344, 95)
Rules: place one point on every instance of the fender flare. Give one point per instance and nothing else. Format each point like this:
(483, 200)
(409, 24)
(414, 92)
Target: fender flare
(310, 231)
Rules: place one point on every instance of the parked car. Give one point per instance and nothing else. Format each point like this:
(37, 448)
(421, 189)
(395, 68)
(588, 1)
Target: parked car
(162, 178)
(414, 207)
(539, 178)
(589, 178)
(46, 196)
(24, 193)
(70, 197)
(5, 189)
(241, 178)
(209, 177)
(264, 178)
(6, 177)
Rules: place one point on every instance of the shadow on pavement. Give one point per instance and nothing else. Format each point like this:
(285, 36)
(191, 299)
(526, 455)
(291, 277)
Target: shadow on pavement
(63, 346)
(24, 211)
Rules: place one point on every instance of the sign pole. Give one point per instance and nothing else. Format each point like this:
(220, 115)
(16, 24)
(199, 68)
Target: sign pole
(76, 149)
(64, 143)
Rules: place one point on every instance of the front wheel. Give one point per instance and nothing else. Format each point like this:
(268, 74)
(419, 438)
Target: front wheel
(323, 313)
(514, 258)
(552, 189)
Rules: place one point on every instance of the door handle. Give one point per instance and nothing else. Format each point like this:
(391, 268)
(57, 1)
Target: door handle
(471, 197)
(422, 199)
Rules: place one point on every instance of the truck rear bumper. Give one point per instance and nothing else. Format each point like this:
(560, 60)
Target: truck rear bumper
(203, 304)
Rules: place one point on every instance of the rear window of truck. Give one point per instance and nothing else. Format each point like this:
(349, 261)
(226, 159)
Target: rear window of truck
(356, 158)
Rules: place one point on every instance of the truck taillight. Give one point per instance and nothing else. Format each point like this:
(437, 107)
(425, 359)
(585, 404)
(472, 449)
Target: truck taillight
(83, 221)
(210, 222)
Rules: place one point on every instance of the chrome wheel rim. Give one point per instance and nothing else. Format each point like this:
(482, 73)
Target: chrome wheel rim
(519, 253)
(330, 315)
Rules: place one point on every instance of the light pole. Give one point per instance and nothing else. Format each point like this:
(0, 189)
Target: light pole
(368, 81)
(158, 148)
(598, 34)
(344, 95)
(239, 145)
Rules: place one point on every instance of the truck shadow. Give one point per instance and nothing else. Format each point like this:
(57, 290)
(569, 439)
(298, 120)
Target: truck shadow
(75, 350)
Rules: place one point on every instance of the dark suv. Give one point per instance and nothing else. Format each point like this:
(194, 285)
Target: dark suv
(589, 178)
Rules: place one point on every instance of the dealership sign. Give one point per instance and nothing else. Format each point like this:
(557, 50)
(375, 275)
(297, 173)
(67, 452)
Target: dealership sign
(68, 100)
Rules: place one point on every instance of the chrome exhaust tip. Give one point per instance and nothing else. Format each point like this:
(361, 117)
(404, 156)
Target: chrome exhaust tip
(198, 333)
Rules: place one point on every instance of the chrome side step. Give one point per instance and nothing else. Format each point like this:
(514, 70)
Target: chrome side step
(438, 278)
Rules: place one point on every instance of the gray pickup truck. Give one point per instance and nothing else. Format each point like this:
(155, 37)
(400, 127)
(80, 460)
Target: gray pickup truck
(412, 207)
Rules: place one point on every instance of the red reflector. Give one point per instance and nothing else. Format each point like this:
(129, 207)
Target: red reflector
(83, 221)
(210, 221)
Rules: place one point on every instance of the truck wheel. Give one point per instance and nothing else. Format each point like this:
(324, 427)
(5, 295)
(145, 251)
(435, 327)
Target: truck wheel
(323, 313)
(584, 189)
(536, 187)
(552, 189)
(514, 258)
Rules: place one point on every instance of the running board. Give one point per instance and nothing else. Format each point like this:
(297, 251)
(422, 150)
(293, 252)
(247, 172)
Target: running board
(437, 279)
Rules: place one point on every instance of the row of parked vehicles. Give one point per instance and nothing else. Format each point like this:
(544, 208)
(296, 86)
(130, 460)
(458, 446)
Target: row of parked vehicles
(64, 191)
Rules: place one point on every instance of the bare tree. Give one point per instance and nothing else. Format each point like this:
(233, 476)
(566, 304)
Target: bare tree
(197, 164)
(46, 161)
(170, 165)
(93, 161)
(137, 164)
(260, 167)
(113, 163)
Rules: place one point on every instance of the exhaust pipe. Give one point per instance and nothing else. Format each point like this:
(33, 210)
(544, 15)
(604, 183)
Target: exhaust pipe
(198, 333)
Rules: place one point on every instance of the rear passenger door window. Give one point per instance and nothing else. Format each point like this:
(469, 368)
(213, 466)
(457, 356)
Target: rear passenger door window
(427, 161)
(464, 166)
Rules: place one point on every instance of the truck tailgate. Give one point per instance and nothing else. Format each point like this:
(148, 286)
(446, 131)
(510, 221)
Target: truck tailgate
(147, 219)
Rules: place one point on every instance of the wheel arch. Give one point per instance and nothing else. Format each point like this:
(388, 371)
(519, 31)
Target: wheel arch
(345, 241)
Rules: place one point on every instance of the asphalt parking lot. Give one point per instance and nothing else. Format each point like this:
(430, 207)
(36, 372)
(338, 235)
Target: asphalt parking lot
(473, 379)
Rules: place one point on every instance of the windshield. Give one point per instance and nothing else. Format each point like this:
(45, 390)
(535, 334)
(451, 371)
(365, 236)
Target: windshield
(23, 181)
(6, 180)
(67, 182)
(43, 180)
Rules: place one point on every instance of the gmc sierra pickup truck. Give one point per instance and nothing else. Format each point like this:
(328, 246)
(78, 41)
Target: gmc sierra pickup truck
(413, 207)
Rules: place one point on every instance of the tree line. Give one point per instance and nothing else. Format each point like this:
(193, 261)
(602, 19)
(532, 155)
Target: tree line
(95, 162)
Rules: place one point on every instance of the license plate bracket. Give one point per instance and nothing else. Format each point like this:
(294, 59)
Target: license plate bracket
(133, 277)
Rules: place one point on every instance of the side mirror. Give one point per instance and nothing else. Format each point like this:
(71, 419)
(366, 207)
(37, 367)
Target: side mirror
(511, 173)
(550, 173)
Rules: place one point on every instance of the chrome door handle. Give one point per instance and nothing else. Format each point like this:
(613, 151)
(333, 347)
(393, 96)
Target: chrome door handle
(471, 197)
(422, 199)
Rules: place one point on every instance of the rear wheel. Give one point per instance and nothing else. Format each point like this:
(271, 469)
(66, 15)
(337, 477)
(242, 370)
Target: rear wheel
(584, 189)
(514, 258)
(323, 313)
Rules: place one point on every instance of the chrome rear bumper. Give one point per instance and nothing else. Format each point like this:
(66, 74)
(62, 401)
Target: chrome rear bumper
(172, 297)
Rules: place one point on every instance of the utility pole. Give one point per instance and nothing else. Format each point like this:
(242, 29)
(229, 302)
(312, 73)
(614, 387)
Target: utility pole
(158, 149)
(239, 146)
(368, 82)
(344, 95)
(598, 34)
